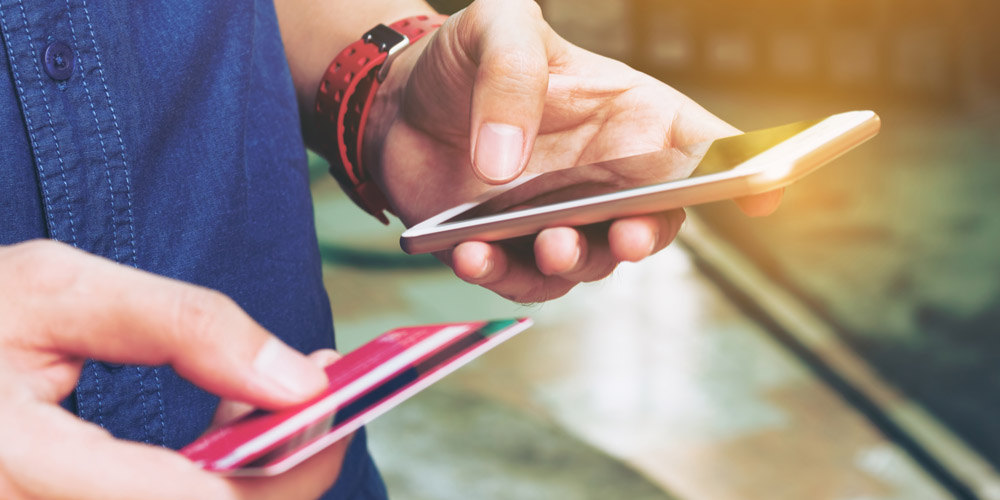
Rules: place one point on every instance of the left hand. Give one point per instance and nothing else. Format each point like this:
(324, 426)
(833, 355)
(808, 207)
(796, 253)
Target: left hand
(60, 306)
(494, 93)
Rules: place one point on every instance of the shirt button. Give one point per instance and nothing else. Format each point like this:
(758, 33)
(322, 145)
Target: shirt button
(59, 61)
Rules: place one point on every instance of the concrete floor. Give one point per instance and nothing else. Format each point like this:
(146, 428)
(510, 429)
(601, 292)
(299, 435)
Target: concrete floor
(646, 385)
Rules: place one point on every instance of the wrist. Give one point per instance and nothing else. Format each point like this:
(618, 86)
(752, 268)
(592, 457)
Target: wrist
(388, 106)
(314, 33)
(345, 98)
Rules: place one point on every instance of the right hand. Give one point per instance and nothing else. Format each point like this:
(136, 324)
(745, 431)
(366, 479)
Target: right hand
(494, 93)
(60, 306)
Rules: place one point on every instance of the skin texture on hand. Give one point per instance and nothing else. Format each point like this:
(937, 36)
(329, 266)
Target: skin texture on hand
(495, 93)
(61, 306)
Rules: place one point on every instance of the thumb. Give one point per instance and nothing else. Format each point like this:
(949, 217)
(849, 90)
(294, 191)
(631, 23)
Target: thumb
(509, 41)
(82, 306)
(230, 409)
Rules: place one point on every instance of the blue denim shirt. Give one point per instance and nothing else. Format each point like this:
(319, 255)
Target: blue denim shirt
(165, 136)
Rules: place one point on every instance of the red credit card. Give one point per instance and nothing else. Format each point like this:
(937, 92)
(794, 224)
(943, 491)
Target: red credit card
(363, 385)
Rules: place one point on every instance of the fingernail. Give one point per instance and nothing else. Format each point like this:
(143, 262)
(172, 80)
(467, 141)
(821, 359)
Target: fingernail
(499, 149)
(577, 259)
(323, 357)
(483, 271)
(287, 371)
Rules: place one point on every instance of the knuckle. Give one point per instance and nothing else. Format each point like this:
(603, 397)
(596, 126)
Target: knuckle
(197, 311)
(475, 7)
(480, 8)
(530, 7)
(34, 252)
(41, 267)
(517, 67)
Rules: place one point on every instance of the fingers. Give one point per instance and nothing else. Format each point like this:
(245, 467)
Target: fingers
(229, 410)
(90, 464)
(592, 253)
(87, 307)
(564, 256)
(500, 270)
(323, 357)
(761, 204)
(636, 238)
(54, 455)
(577, 255)
(308, 479)
(510, 42)
(692, 124)
(61, 304)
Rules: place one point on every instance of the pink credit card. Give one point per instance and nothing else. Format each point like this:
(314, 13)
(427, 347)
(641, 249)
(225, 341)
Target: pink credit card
(363, 385)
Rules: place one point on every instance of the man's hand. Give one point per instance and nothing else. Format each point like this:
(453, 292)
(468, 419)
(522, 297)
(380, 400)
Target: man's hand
(60, 306)
(494, 93)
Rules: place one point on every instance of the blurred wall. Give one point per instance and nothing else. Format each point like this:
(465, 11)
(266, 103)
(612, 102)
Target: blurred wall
(938, 49)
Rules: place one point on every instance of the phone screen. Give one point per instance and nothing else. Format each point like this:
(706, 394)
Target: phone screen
(659, 167)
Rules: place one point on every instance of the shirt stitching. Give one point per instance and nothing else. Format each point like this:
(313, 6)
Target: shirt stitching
(142, 399)
(52, 128)
(128, 192)
(100, 398)
(31, 132)
(100, 134)
(159, 396)
(118, 133)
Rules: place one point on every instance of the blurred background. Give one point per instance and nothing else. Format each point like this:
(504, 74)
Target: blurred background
(845, 347)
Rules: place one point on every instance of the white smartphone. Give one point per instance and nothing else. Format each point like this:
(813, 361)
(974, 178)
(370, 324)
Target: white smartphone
(731, 167)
